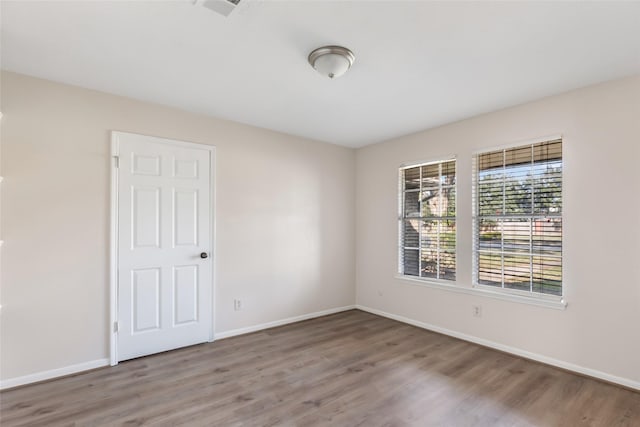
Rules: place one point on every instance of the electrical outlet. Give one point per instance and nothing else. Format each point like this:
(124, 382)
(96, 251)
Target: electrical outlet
(237, 305)
(477, 310)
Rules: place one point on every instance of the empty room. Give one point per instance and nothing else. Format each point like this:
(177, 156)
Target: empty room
(319, 213)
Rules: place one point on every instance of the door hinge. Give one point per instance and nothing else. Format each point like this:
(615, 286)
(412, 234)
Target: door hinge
(116, 160)
(115, 327)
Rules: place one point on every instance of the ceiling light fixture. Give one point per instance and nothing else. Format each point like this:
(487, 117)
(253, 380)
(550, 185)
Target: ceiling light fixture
(331, 61)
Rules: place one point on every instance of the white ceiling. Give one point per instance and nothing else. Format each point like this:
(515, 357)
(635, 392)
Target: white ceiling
(418, 64)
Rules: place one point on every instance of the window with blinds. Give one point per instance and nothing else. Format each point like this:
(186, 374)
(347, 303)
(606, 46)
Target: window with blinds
(428, 220)
(518, 218)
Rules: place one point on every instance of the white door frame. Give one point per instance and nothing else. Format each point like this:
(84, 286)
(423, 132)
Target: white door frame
(113, 276)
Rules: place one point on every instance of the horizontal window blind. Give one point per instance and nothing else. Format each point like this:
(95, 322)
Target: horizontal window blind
(428, 220)
(518, 218)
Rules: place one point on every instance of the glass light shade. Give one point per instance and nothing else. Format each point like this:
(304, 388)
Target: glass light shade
(332, 65)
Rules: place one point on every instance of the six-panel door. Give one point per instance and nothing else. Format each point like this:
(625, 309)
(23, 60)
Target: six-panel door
(164, 225)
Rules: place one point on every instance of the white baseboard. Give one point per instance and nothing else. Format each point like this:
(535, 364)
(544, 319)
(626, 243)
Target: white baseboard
(255, 328)
(53, 373)
(507, 349)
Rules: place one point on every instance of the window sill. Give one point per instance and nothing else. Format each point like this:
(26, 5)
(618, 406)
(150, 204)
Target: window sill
(557, 303)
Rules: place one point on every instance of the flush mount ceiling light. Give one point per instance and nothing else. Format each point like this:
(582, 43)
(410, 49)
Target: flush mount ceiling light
(331, 61)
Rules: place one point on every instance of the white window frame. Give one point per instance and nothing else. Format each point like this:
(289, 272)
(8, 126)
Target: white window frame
(401, 195)
(546, 300)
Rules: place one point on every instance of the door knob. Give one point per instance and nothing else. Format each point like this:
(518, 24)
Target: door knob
(204, 255)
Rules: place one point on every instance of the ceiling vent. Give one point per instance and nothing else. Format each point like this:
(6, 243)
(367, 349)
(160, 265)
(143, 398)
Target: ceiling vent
(223, 7)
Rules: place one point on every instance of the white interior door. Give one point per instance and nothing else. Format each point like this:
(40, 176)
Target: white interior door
(164, 267)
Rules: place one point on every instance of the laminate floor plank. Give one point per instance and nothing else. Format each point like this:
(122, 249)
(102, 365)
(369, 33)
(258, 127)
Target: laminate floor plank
(348, 369)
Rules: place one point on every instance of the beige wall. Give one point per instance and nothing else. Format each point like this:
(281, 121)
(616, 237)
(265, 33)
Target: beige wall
(285, 220)
(600, 329)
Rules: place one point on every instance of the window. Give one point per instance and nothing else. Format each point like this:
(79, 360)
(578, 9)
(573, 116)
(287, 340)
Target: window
(518, 218)
(428, 220)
